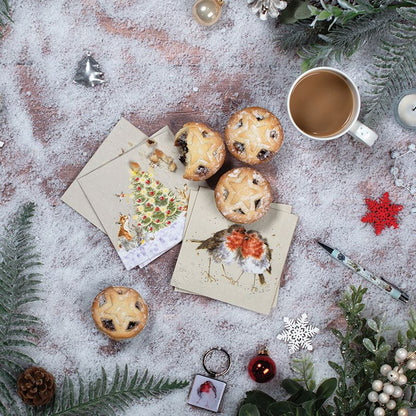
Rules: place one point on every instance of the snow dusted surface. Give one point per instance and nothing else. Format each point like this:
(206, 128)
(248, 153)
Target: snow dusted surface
(162, 68)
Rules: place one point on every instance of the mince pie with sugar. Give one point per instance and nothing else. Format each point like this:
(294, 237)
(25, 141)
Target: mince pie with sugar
(243, 195)
(253, 135)
(201, 149)
(119, 312)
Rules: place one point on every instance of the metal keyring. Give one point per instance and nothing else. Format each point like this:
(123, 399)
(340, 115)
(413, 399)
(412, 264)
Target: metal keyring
(213, 373)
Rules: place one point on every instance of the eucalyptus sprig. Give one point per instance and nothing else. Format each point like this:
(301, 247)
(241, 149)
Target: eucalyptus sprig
(363, 350)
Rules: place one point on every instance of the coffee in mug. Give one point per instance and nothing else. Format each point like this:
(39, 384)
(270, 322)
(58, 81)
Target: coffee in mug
(324, 103)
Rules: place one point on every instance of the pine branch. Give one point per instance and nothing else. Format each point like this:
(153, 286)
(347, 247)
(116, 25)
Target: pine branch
(100, 397)
(18, 287)
(395, 65)
(344, 40)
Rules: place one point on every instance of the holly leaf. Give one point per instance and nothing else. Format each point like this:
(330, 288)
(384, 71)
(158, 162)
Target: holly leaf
(370, 366)
(302, 396)
(372, 324)
(383, 350)
(291, 386)
(260, 400)
(323, 15)
(369, 345)
(401, 341)
(249, 409)
(339, 370)
(326, 388)
(302, 12)
(282, 409)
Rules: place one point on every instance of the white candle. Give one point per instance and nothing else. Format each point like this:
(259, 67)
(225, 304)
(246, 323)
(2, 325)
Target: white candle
(406, 110)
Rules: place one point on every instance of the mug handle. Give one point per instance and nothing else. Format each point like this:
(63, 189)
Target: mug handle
(363, 133)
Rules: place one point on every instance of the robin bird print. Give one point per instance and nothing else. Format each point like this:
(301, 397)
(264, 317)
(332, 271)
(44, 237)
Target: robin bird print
(235, 244)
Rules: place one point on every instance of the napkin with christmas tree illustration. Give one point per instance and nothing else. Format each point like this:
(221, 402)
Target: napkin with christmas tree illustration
(121, 139)
(140, 199)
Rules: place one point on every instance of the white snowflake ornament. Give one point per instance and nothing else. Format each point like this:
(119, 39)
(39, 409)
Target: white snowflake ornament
(298, 333)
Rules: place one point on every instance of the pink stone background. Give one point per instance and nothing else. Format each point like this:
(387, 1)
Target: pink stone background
(163, 68)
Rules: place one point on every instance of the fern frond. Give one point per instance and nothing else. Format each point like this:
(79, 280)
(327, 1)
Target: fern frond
(394, 67)
(345, 39)
(100, 397)
(294, 36)
(18, 286)
(4, 12)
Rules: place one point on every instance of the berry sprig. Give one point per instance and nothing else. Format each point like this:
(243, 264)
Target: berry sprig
(385, 392)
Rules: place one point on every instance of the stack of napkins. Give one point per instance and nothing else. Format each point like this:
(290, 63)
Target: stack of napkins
(133, 190)
(209, 265)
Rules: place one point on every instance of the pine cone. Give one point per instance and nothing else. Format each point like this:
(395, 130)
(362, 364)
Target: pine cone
(36, 386)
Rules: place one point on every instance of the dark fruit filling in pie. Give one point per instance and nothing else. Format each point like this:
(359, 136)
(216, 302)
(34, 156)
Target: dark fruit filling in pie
(239, 147)
(257, 203)
(263, 154)
(183, 147)
(259, 117)
(202, 170)
(273, 134)
(131, 325)
(240, 123)
(255, 181)
(240, 211)
(204, 133)
(225, 194)
(137, 305)
(108, 324)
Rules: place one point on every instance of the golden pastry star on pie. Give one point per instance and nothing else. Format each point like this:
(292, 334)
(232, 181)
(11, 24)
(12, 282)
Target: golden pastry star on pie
(119, 312)
(243, 195)
(242, 190)
(253, 135)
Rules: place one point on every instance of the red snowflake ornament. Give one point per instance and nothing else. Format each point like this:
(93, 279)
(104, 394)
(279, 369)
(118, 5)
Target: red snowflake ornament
(381, 213)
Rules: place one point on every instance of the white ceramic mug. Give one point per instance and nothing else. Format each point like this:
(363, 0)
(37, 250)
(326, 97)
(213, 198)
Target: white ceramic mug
(353, 127)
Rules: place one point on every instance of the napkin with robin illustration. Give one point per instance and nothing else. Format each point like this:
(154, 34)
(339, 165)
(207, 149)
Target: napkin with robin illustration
(234, 263)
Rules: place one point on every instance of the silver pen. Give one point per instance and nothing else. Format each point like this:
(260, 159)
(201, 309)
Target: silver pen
(388, 287)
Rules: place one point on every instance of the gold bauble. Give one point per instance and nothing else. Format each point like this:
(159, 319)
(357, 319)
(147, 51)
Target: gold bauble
(207, 12)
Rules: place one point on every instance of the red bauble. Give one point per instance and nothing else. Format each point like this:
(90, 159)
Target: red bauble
(262, 368)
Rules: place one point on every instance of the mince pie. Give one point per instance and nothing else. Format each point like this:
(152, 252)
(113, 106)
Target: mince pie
(119, 312)
(243, 195)
(253, 135)
(201, 149)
